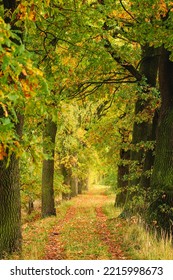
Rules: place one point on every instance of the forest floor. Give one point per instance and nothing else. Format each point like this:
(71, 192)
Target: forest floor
(83, 232)
(87, 227)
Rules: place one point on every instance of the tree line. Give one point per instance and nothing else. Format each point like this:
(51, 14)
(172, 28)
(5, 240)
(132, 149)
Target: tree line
(86, 84)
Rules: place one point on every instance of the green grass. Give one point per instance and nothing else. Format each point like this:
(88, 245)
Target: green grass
(131, 235)
(35, 233)
(81, 238)
(135, 239)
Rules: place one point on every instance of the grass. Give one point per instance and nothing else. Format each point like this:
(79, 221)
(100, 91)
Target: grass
(135, 238)
(35, 233)
(83, 243)
(80, 235)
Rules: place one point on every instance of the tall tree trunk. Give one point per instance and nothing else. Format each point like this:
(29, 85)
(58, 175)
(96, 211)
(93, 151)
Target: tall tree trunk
(123, 169)
(66, 172)
(142, 131)
(10, 214)
(162, 177)
(149, 157)
(80, 183)
(48, 203)
(74, 186)
(10, 205)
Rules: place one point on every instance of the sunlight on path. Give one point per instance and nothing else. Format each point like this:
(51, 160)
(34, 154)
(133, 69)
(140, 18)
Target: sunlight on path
(83, 234)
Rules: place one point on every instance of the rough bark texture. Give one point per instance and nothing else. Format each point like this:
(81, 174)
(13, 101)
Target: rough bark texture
(10, 216)
(142, 131)
(149, 157)
(162, 173)
(10, 205)
(48, 203)
(162, 177)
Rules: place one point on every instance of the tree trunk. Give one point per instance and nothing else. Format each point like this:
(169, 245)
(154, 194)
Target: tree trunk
(74, 186)
(83, 185)
(66, 172)
(30, 206)
(123, 170)
(10, 215)
(162, 177)
(80, 183)
(149, 157)
(10, 204)
(142, 131)
(48, 203)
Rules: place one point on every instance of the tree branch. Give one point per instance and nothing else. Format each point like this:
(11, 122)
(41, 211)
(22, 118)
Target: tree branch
(129, 67)
(124, 8)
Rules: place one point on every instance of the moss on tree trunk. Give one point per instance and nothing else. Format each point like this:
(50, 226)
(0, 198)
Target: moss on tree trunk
(142, 131)
(149, 157)
(162, 177)
(10, 202)
(10, 215)
(123, 170)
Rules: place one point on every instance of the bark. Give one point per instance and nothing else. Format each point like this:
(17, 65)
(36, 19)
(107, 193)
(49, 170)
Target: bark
(142, 131)
(48, 203)
(10, 204)
(10, 215)
(83, 185)
(80, 183)
(66, 172)
(86, 185)
(70, 181)
(74, 186)
(162, 177)
(162, 174)
(30, 206)
(149, 157)
(123, 170)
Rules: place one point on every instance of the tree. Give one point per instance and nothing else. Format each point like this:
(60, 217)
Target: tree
(19, 79)
(162, 180)
(10, 228)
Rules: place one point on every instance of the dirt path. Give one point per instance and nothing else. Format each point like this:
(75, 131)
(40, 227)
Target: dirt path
(83, 233)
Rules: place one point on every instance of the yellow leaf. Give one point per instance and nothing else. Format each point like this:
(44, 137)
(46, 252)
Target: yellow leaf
(32, 16)
(2, 152)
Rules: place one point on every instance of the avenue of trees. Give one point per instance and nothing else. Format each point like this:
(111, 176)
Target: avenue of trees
(86, 87)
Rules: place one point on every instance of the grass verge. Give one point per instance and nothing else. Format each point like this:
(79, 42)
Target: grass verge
(35, 234)
(136, 241)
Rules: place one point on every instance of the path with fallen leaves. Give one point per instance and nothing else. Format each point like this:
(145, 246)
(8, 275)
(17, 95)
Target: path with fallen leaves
(83, 233)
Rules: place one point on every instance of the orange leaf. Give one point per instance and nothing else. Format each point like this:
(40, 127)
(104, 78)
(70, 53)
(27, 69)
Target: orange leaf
(2, 152)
